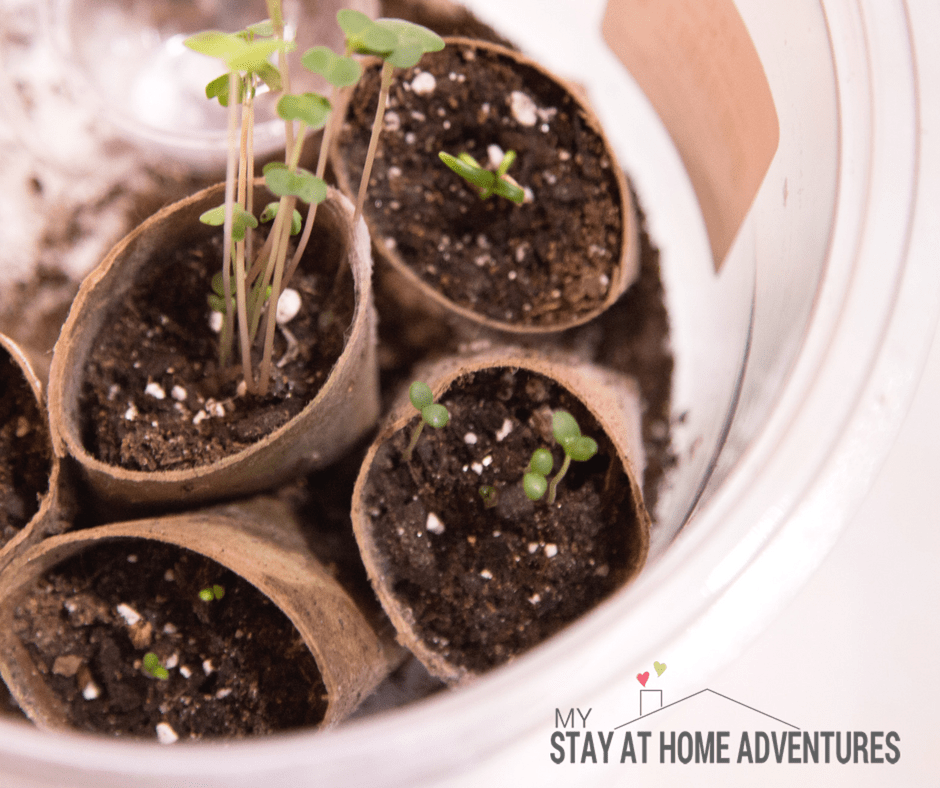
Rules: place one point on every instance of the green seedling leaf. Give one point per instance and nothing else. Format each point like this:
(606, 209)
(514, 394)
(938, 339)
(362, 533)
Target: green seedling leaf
(432, 414)
(565, 428)
(534, 485)
(241, 220)
(255, 55)
(486, 182)
(420, 394)
(270, 211)
(215, 43)
(218, 285)
(413, 41)
(271, 77)
(541, 462)
(152, 667)
(233, 50)
(339, 71)
(363, 36)
(217, 303)
(302, 184)
(582, 449)
(310, 108)
(214, 592)
(263, 29)
(218, 89)
(435, 415)
(467, 168)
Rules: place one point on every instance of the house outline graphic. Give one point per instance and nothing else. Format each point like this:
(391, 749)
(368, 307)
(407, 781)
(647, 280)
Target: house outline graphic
(696, 694)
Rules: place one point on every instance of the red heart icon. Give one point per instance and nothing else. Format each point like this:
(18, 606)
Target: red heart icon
(643, 677)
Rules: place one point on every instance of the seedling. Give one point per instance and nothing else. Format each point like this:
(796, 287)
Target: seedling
(576, 447)
(260, 278)
(152, 666)
(399, 44)
(214, 592)
(486, 182)
(489, 496)
(432, 413)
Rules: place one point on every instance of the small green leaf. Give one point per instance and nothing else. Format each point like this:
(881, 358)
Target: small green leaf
(218, 591)
(339, 71)
(535, 485)
(541, 462)
(254, 55)
(206, 595)
(413, 42)
(489, 495)
(470, 171)
(271, 77)
(218, 89)
(582, 448)
(215, 43)
(310, 108)
(364, 36)
(435, 415)
(420, 394)
(565, 427)
(217, 303)
(302, 184)
(509, 190)
(262, 29)
(241, 220)
(152, 667)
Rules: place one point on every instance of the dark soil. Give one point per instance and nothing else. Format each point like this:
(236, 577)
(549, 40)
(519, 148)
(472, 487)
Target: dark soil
(160, 336)
(25, 451)
(497, 581)
(543, 263)
(237, 666)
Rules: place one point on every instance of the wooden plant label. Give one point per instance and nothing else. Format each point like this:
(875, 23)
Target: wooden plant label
(700, 70)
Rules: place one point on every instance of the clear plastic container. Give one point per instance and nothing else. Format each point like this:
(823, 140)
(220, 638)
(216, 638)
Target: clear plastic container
(795, 365)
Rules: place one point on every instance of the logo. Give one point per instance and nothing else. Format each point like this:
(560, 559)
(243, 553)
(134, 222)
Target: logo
(743, 734)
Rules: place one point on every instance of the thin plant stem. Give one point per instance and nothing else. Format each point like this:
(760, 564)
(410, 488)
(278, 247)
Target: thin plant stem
(312, 209)
(406, 456)
(241, 306)
(264, 372)
(553, 484)
(276, 16)
(225, 343)
(387, 72)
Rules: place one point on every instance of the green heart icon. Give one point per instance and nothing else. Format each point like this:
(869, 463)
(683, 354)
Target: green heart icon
(659, 667)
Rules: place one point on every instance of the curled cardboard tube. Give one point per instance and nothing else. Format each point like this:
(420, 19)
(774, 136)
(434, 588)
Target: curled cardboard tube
(343, 410)
(611, 398)
(259, 541)
(412, 288)
(52, 515)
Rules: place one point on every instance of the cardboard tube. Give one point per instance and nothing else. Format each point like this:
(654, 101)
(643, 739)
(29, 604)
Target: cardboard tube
(342, 411)
(258, 540)
(52, 515)
(611, 399)
(466, 320)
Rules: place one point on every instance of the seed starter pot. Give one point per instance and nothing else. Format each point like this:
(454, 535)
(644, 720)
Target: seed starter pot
(321, 426)
(468, 585)
(32, 504)
(556, 261)
(257, 543)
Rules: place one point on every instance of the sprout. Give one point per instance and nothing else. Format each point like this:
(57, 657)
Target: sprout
(399, 44)
(576, 447)
(486, 181)
(214, 592)
(152, 666)
(489, 496)
(432, 414)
